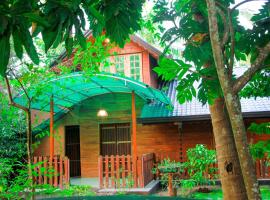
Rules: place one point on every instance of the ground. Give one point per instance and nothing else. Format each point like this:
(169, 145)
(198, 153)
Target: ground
(87, 193)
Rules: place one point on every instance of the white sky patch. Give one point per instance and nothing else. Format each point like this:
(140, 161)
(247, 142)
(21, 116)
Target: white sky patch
(247, 10)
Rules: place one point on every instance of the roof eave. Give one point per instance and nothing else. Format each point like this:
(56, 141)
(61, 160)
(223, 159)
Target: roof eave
(190, 118)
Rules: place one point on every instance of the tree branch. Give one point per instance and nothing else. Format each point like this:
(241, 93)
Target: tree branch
(11, 98)
(29, 99)
(226, 27)
(220, 5)
(243, 2)
(231, 63)
(256, 66)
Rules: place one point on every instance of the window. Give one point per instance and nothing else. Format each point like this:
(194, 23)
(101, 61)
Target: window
(120, 64)
(115, 139)
(129, 65)
(135, 67)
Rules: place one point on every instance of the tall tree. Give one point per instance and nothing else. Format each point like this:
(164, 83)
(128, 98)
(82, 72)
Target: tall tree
(231, 88)
(188, 21)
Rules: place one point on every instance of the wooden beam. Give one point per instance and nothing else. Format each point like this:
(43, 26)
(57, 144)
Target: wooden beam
(51, 128)
(134, 139)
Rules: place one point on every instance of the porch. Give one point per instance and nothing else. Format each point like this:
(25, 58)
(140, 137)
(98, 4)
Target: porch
(77, 110)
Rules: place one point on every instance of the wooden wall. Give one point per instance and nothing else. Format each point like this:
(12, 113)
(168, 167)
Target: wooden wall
(118, 107)
(158, 138)
(166, 137)
(193, 133)
(148, 76)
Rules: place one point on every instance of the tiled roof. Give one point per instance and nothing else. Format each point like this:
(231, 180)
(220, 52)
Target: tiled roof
(195, 109)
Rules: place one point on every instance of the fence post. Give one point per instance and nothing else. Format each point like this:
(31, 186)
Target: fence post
(61, 172)
(117, 171)
(100, 170)
(106, 171)
(55, 171)
(112, 171)
(123, 161)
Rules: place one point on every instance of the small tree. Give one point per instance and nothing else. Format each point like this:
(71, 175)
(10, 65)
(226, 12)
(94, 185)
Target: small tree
(199, 165)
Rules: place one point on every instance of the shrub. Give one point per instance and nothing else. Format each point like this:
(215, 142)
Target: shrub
(199, 166)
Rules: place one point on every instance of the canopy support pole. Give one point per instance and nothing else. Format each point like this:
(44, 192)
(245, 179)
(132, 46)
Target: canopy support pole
(51, 127)
(134, 139)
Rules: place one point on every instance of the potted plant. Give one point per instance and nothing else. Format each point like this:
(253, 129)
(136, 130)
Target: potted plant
(167, 169)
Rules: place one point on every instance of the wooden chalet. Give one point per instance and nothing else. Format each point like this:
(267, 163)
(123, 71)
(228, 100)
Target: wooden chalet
(114, 135)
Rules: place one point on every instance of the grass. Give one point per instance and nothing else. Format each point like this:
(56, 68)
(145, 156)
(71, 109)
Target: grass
(214, 195)
(217, 194)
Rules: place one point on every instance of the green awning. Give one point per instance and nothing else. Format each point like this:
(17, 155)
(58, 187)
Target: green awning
(69, 90)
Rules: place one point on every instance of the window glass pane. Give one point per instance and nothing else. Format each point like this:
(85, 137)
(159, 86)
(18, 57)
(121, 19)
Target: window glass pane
(135, 67)
(119, 64)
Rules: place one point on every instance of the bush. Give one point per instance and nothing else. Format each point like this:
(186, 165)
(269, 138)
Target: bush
(199, 166)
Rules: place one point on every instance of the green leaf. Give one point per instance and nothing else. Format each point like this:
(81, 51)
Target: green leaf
(5, 53)
(81, 39)
(17, 44)
(4, 23)
(49, 36)
(97, 15)
(28, 43)
(59, 37)
(69, 45)
(36, 18)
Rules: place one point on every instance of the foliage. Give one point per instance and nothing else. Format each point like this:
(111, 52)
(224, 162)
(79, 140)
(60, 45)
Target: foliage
(258, 85)
(262, 128)
(217, 194)
(198, 165)
(56, 19)
(196, 72)
(20, 187)
(12, 129)
(167, 166)
(261, 149)
(95, 55)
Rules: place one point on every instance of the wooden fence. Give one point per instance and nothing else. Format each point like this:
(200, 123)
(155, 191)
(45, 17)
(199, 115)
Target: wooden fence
(118, 171)
(53, 171)
(262, 166)
(262, 169)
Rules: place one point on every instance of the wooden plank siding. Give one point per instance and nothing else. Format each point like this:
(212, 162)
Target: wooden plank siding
(118, 107)
(131, 47)
(163, 138)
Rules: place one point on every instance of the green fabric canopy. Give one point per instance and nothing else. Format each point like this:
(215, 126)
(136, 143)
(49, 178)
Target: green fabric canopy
(69, 90)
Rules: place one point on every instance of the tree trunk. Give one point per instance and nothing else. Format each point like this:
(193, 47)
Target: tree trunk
(234, 109)
(231, 178)
(29, 152)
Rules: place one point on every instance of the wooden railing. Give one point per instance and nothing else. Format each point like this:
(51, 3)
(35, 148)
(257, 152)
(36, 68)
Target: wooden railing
(262, 166)
(53, 171)
(118, 172)
(262, 169)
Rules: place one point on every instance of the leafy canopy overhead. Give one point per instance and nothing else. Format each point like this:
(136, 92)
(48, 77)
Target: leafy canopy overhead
(196, 69)
(56, 20)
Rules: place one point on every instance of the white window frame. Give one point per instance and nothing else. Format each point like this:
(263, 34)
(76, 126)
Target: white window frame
(127, 64)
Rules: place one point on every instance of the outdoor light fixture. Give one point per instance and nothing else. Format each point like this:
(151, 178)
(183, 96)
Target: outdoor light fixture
(102, 113)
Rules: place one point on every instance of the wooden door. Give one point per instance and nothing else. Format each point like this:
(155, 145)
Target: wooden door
(115, 139)
(72, 140)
